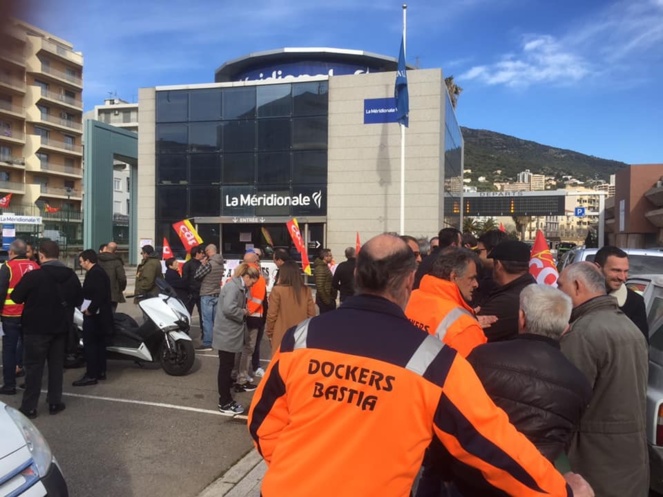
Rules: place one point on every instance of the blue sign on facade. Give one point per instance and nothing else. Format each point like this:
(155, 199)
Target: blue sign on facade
(580, 212)
(380, 110)
(292, 70)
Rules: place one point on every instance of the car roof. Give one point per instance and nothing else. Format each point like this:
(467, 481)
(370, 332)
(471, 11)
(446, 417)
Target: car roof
(655, 251)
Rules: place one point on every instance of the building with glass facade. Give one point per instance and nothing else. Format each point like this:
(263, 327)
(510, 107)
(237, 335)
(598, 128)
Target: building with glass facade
(296, 133)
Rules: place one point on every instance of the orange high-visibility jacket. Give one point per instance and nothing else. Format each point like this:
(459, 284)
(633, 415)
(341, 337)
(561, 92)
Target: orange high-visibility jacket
(256, 295)
(353, 398)
(438, 308)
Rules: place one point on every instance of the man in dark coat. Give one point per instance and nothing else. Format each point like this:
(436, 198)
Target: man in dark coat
(50, 295)
(112, 263)
(344, 276)
(97, 318)
(188, 275)
(613, 263)
(447, 237)
(511, 273)
(485, 245)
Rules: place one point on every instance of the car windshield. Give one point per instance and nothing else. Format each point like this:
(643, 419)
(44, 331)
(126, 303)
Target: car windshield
(641, 264)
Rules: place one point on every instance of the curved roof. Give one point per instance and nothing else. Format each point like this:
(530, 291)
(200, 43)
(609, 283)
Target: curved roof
(232, 69)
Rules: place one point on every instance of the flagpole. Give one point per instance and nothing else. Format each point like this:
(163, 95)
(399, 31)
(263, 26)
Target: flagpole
(402, 125)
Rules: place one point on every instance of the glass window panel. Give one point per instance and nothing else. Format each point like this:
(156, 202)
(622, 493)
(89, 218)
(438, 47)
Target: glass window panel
(205, 169)
(239, 169)
(231, 201)
(172, 202)
(239, 103)
(310, 99)
(309, 133)
(205, 201)
(239, 136)
(171, 169)
(309, 167)
(274, 168)
(205, 105)
(273, 134)
(274, 100)
(171, 138)
(172, 106)
(203, 137)
(272, 210)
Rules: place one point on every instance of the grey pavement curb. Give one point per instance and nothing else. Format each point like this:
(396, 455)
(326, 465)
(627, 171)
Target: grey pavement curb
(242, 480)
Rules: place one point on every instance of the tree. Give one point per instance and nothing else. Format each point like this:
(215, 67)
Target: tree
(488, 224)
(521, 224)
(453, 89)
(471, 225)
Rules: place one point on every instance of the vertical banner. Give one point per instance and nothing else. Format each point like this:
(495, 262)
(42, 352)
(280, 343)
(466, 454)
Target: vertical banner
(187, 234)
(166, 252)
(296, 235)
(357, 244)
(267, 236)
(4, 201)
(541, 264)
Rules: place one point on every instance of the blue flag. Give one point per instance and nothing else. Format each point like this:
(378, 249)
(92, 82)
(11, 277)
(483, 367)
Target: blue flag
(400, 92)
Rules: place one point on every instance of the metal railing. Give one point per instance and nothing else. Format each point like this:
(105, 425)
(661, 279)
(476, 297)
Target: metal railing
(62, 51)
(13, 82)
(12, 185)
(49, 166)
(11, 133)
(49, 142)
(4, 105)
(34, 210)
(14, 161)
(68, 123)
(78, 81)
(61, 97)
(62, 192)
(4, 54)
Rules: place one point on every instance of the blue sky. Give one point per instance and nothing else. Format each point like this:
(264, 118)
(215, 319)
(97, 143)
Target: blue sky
(582, 75)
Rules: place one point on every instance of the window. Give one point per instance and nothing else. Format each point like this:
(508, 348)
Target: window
(205, 201)
(239, 103)
(274, 100)
(43, 110)
(205, 169)
(273, 135)
(69, 142)
(43, 132)
(69, 183)
(204, 137)
(171, 169)
(172, 203)
(5, 152)
(43, 158)
(172, 106)
(205, 105)
(238, 169)
(309, 167)
(5, 128)
(310, 99)
(117, 185)
(309, 133)
(4, 176)
(128, 184)
(69, 163)
(239, 136)
(42, 85)
(117, 206)
(171, 138)
(274, 168)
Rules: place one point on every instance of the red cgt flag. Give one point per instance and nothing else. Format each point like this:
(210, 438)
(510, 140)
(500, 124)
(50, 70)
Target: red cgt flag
(541, 263)
(502, 228)
(4, 201)
(357, 244)
(166, 253)
(51, 210)
(296, 235)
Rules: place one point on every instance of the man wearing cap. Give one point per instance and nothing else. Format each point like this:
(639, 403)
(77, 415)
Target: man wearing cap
(511, 274)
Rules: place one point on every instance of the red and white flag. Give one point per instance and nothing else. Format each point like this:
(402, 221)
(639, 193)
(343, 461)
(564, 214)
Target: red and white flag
(296, 235)
(541, 263)
(166, 252)
(51, 210)
(502, 228)
(4, 201)
(357, 244)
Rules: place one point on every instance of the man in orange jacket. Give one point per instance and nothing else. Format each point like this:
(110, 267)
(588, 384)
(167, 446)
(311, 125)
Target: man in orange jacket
(440, 305)
(255, 306)
(352, 399)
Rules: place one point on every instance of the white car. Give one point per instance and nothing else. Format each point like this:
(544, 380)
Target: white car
(27, 465)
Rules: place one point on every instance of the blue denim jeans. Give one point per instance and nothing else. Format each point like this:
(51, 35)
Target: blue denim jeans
(208, 306)
(10, 350)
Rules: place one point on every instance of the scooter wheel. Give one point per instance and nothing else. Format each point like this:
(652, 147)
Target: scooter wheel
(179, 360)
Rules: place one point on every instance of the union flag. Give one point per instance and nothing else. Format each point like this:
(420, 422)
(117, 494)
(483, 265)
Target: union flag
(4, 201)
(541, 263)
(51, 210)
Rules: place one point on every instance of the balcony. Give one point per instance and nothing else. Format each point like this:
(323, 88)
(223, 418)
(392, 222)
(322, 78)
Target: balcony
(62, 52)
(11, 83)
(62, 76)
(12, 186)
(17, 57)
(12, 135)
(9, 161)
(62, 99)
(66, 124)
(67, 193)
(62, 215)
(60, 169)
(12, 110)
(60, 145)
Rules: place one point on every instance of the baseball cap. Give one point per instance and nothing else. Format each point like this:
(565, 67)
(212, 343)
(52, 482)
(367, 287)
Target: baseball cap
(511, 250)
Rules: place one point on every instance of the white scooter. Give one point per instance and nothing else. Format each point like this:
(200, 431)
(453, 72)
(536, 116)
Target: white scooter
(163, 337)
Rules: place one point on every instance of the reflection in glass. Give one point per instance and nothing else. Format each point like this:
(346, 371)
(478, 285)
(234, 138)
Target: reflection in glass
(205, 169)
(239, 136)
(171, 169)
(309, 167)
(239, 169)
(274, 100)
(310, 99)
(172, 202)
(239, 103)
(273, 168)
(205, 105)
(172, 106)
(309, 133)
(171, 138)
(273, 134)
(203, 137)
(205, 201)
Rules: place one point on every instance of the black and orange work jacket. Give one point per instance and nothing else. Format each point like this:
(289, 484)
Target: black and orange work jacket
(10, 274)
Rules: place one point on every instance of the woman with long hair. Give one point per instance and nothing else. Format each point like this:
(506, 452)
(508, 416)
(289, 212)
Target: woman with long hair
(290, 302)
(230, 331)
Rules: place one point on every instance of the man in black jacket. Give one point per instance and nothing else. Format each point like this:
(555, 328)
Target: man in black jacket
(112, 263)
(485, 245)
(529, 377)
(447, 237)
(344, 276)
(50, 295)
(97, 318)
(188, 275)
(511, 273)
(613, 263)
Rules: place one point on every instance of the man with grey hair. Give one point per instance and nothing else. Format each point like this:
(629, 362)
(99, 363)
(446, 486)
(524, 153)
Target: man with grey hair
(209, 274)
(344, 276)
(528, 377)
(610, 447)
(11, 273)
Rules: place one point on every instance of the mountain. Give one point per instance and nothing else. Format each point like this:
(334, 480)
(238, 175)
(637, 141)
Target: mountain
(487, 152)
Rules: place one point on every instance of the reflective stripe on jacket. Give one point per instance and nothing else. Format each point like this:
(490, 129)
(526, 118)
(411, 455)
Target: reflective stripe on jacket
(256, 295)
(353, 398)
(438, 308)
(17, 268)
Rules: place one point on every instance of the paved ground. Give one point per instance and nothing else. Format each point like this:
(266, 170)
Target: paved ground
(143, 432)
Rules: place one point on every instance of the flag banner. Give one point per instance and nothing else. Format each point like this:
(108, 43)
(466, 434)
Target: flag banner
(541, 264)
(401, 91)
(502, 228)
(187, 234)
(357, 244)
(166, 252)
(267, 236)
(4, 201)
(51, 210)
(296, 235)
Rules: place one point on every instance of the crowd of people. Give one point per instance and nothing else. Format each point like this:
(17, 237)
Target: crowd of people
(443, 364)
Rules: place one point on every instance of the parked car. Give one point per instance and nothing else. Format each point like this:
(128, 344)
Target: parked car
(27, 465)
(641, 261)
(562, 248)
(651, 287)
